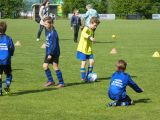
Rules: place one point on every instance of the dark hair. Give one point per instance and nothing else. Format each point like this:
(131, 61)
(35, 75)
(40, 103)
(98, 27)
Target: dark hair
(121, 65)
(3, 27)
(48, 19)
(94, 20)
(45, 2)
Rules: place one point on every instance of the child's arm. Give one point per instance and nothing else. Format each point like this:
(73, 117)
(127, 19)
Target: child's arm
(53, 43)
(85, 35)
(11, 47)
(72, 22)
(133, 85)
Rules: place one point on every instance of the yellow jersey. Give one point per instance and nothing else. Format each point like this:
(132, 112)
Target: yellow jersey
(85, 45)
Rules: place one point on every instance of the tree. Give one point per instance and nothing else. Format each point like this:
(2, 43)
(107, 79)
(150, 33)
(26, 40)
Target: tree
(10, 8)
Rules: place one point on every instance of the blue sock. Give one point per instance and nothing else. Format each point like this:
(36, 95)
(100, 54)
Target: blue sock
(90, 69)
(83, 73)
(8, 80)
(59, 76)
(49, 75)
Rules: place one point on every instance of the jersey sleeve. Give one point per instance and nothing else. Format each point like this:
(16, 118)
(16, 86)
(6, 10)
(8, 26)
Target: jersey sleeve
(11, 47)
(84, 33)
(133, 85)
(53, 43)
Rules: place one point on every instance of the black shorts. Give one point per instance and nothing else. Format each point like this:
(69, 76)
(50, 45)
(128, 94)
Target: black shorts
(52, 60)
(6, 69)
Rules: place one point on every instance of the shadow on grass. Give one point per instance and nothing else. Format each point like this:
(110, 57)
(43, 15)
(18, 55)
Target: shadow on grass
(22, 92)
(105, 42)
(145, 100)
(17, 69)
(65, 39)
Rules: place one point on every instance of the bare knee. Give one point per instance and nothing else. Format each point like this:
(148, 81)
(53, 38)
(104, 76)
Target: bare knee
(55, 67)
(45, 66)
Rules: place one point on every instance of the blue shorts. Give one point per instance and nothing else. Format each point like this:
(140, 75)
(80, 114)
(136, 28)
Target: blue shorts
(83, 57)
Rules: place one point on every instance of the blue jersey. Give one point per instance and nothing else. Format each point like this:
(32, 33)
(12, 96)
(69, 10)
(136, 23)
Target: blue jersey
(52, 43)
(6, 49)
(118, 84)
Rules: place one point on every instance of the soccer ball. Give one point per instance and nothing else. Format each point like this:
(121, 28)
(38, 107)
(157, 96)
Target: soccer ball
(92, 77)
(113, 36)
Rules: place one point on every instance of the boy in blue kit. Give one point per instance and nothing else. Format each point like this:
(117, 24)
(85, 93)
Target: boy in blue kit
(52, 53)
(119, 81)
(84, 50)
(6, 51)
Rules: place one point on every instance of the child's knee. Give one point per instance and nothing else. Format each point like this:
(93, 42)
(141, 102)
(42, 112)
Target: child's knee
(45, 66)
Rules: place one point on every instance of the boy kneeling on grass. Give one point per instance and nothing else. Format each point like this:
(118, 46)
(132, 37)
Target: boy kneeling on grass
(119, 81)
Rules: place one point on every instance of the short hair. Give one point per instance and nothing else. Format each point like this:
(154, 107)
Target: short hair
(89, 6)
(48, 19)
(94, 20)
(121, 65)
(3, 27)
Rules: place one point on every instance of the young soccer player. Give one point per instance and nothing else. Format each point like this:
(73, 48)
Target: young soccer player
(119, 81)
(84, 50)
(6, 51)
(52, 53)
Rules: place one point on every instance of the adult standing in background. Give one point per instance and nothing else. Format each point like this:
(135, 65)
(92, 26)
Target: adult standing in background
(89, 14)
(43, 12)
(75, 24)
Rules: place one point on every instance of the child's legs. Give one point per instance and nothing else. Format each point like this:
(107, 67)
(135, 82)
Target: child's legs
(8, 72)
(58, 72)
(40, 31)
(82, 57)
(48, 72)
(124, 101)
(91, 64)
(83, 70)
(76, 30)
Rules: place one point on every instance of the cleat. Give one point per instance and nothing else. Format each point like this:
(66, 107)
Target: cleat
(84, 80)
(49, 84)
(60, 86)
(113, 103)
(7, 90)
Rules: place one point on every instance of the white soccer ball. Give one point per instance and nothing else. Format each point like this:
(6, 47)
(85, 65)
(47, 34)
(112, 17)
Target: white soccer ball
(92, 77)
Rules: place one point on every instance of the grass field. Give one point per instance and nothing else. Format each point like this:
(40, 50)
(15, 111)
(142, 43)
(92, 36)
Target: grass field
(136, 42)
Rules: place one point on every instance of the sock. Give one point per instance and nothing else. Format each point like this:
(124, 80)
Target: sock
(90, 69)
(59, 76)
(8, 80)
(83, 73)
(49, 75)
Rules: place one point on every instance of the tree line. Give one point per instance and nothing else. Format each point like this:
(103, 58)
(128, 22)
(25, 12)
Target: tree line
(122, 8)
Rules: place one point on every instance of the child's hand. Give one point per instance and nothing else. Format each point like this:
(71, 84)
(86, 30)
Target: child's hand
(94, 40)
(49, 57)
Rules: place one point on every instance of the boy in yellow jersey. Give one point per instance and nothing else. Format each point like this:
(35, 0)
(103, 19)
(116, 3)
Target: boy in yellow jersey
(84, 50)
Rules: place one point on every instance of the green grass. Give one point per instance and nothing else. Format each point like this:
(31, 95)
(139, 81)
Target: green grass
(136, 42)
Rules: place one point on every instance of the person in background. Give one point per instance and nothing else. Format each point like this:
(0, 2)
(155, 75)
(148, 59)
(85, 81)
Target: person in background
(75, 24)
(43, 12)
